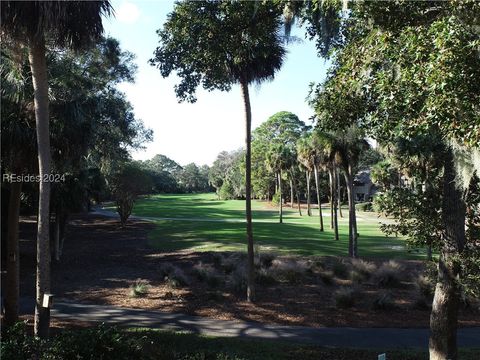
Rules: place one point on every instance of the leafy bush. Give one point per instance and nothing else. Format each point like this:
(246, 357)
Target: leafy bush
(139, 288)
(227, 191)
(106, 343)
(101, 342)
(366, 206)
(390, 274)
(17, 345)
(276, 199)
(344, 297)
(384, 301)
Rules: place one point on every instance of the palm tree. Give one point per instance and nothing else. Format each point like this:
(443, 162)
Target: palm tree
(217, 44)
(305, 159)
(279, 159)
(349, 144)
(73, 24)
(18, 151)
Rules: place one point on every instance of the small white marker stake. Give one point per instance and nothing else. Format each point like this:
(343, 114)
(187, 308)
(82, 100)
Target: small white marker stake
(382, 357)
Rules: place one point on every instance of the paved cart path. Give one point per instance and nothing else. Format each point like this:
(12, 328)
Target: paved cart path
(378, 338)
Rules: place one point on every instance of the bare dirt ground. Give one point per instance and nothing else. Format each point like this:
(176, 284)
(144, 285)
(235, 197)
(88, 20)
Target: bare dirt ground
(101, 262)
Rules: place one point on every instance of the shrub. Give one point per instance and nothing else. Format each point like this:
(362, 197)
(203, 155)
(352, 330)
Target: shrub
(176, 278)
(289, 270)
(365, 268)
(207, 274)
(357, 277)
(366, 206)
(344, 297)
(384, 301)
(264, 277)
(326, 277)
(238, 279)
(425, 287)
(217, 260)
(227, 191)
(101, 342)
(340, 269)
(266, 259)
(390, 274)
(16, 344)
(139, 288)
(276, 199)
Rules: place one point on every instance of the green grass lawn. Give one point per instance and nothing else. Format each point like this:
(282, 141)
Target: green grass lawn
(297, 235)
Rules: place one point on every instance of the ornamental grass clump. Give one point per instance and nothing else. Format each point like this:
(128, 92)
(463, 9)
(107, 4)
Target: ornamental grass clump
(389, 275)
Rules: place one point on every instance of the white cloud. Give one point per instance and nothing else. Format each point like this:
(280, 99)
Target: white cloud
(127, 13)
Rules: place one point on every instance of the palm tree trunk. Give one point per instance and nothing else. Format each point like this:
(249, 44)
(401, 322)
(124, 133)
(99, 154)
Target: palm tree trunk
(318, 198)
(38, 67)
(352, 219)
(332, 191)
(298, 202)
(56, 235)
(443, 318)
(291, 192)
(335, 213)
(13, 262)
(248, 191)
(339, 192)
(280, 208)
(309, 211)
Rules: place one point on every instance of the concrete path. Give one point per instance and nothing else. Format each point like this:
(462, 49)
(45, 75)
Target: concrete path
(378, 338)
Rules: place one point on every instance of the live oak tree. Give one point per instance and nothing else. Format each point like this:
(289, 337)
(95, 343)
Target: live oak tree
(274, 143)
(36, 23)
(217, 44)
(412, 68)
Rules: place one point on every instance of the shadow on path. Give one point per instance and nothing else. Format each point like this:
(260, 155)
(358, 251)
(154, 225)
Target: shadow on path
(379, 338)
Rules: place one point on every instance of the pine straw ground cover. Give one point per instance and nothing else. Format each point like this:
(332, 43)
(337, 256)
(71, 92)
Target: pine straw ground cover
(103, 264)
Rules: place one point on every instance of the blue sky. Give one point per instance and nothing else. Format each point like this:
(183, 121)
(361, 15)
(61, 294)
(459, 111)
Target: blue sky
(198, 132)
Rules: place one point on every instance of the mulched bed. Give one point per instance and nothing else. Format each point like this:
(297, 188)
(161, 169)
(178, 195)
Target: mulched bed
(101, 262)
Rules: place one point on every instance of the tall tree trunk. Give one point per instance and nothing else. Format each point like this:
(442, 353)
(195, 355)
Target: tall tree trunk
(332, 191)
(248, 191)
(13, 261)
(38, 67)
(443, 319)
(352, 219)
(317, 186)
(280, 205)
(309, 211)
(335, 213)
(339, 192)
(298, 202)
(291, 192)
(56, 236)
